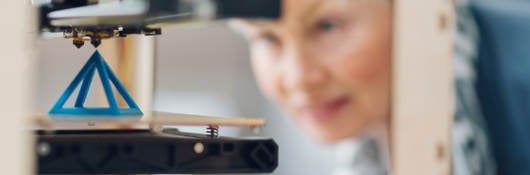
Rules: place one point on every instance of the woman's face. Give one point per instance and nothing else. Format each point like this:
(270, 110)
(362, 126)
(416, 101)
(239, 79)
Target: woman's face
(327, 63)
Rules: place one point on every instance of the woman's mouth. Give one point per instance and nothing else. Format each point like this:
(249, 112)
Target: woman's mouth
(326, 110)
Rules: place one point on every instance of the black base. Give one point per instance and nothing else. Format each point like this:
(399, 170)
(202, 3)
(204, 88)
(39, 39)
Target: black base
(144, 152)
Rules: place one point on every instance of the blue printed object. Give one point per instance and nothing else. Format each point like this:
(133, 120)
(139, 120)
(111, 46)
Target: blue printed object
(85, 75)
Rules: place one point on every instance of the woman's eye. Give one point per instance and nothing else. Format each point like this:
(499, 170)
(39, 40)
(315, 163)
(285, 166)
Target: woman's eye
(327, 25)
(270, 38)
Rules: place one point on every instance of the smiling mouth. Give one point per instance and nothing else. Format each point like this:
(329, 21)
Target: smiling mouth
(327, 110)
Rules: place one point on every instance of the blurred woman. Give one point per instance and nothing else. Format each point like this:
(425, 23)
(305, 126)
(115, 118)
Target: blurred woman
(327, 63)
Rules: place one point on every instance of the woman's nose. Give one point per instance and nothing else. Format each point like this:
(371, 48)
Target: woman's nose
(302, 71)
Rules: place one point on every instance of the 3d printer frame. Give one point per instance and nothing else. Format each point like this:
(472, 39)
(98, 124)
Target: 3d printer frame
(142, 151)
(86, 20)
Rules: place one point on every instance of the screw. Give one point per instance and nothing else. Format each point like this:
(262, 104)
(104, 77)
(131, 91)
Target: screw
(443, 21)
(198, 148)
(440, 151)
(43, 149)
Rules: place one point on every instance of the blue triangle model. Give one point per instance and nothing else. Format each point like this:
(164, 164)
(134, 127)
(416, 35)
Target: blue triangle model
(86, 75)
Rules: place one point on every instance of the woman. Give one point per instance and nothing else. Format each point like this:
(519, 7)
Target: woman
(327, 63)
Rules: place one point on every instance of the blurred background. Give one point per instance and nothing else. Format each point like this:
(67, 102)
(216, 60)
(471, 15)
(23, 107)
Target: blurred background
(199, 69)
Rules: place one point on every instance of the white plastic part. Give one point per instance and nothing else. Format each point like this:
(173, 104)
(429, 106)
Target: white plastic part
(115, 8)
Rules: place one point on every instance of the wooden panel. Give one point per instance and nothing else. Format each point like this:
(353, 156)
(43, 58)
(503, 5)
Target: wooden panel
(16, 49)
(132, 59)
(423, 87)
(45, 122)
(138, 71)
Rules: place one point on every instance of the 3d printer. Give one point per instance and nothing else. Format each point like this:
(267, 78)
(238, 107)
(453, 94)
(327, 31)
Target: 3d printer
(64, 145)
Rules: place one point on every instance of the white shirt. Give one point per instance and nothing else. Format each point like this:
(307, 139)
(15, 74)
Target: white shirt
(366, 155)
